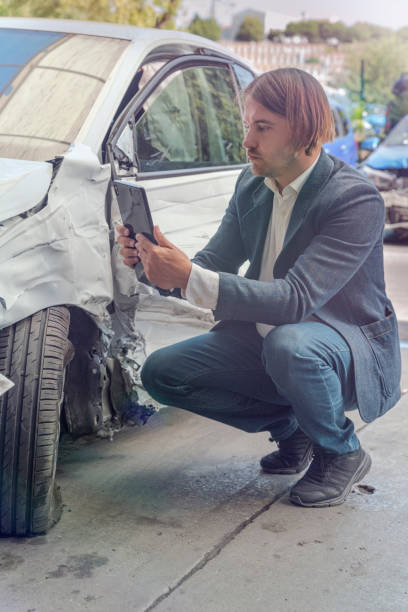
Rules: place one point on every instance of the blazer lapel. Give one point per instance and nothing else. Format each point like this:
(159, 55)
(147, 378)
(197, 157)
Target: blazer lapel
(308, 192)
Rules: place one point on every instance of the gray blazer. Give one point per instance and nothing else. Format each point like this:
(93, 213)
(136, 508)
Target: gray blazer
(331, 266)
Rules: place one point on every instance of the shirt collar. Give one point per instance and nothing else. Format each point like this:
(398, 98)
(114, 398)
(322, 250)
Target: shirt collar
(296, 185)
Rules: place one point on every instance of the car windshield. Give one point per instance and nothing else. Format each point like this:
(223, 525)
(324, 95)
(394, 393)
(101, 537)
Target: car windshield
(48, 84)
(399, 135)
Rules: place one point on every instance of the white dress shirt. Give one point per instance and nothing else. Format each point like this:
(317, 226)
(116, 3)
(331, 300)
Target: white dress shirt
(203, 285)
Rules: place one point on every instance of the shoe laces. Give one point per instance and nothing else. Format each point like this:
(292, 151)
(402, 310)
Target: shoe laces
(320, 466)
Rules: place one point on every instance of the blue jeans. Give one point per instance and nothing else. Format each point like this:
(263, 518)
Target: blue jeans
(299, 375)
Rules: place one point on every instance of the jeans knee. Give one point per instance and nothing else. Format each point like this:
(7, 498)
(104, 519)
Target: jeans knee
(281, 342)
(282, 348)
(152, 370)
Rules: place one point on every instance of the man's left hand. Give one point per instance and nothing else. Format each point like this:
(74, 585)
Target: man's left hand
(164, 264)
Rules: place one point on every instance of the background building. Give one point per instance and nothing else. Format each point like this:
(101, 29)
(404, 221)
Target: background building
(324, 62)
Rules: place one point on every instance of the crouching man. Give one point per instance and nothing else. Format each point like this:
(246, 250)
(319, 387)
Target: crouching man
(309, 332)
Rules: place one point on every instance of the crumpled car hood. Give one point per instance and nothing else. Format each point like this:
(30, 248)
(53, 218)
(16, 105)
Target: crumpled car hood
(23, 184)
(60, 254)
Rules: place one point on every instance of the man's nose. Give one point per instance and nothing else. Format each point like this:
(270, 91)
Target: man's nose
(248, 141)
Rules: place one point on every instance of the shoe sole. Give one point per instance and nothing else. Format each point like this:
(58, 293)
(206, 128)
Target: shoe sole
(291, 470)
(362, 470)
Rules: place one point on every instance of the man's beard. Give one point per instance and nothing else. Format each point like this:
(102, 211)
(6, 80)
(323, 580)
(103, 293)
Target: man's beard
(260, 168)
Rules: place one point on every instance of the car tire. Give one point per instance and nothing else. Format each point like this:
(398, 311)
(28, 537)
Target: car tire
(34, 354)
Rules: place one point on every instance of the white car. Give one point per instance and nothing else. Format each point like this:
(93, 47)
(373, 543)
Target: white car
(82, 104)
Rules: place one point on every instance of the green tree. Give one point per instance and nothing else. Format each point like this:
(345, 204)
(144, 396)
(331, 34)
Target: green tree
(7, 8)
(384, 60)
(403, 33)
(309, 29)
(251, 29)
(208, 28)
(274, 35)
(337, 30)
(320, 30)
(149, 13)
(362, 31)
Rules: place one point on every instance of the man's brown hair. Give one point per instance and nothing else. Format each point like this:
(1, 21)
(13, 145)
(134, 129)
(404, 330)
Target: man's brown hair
(298, 96)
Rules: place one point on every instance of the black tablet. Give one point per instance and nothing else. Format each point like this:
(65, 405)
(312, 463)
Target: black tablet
(135, 213)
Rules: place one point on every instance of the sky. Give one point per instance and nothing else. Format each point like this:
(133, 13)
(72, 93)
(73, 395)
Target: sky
(389, 13)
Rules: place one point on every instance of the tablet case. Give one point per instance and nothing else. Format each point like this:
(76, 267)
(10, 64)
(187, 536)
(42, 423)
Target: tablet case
(136, 216)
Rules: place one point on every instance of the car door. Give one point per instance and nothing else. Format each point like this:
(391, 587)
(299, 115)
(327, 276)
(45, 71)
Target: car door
(181, 140)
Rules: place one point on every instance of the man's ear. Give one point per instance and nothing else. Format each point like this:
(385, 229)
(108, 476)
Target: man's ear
(312, 146)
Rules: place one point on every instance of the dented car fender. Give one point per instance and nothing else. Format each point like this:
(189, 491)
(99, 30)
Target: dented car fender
(60, 254)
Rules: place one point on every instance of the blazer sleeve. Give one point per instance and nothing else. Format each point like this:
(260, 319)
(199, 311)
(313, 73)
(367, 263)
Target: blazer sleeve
(348, 230)
(225, 252)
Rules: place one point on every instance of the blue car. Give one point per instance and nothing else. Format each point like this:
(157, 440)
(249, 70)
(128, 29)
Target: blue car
(344, 145)
(375, 117)
(392, 153)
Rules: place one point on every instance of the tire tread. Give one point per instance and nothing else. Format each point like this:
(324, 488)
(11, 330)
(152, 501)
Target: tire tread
(32, 354)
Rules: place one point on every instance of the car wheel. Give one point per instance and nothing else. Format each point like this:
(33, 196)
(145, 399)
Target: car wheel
(33, 354)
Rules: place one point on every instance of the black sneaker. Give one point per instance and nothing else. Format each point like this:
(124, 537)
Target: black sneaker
(330, 478)
(294, 455)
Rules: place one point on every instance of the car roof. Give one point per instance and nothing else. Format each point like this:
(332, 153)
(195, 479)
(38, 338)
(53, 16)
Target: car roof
(139, 37)
(144, 44)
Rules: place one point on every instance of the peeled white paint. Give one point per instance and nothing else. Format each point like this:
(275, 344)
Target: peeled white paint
(60, 255)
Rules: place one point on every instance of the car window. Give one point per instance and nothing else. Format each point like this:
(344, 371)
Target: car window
(191, 120)
(48, 84)
(244, 76)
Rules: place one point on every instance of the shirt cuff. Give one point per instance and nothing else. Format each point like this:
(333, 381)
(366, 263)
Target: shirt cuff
(202, 287)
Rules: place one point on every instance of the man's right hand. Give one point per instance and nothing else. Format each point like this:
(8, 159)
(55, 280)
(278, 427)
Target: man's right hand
(128, 252)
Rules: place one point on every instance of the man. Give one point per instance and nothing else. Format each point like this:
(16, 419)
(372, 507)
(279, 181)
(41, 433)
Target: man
(309, 332)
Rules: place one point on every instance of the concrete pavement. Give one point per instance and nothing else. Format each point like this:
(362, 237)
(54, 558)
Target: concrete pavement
(177, 517)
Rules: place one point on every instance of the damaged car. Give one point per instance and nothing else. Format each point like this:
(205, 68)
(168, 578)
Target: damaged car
(387, 168)
(84, 106)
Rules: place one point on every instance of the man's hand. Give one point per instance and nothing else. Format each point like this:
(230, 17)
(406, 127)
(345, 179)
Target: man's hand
(164, 264)
(128, 250)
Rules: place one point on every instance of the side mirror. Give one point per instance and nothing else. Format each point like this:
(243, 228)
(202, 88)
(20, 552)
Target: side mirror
(370, 144)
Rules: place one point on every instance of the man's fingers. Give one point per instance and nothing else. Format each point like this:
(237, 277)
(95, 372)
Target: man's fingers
(122, 230)
(130, 261)
(143, 243)
(126, 242)
(123, 237)
(161, 239)
(130, 254)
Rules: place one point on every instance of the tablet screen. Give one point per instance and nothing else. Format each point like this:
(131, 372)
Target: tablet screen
(134, 209)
